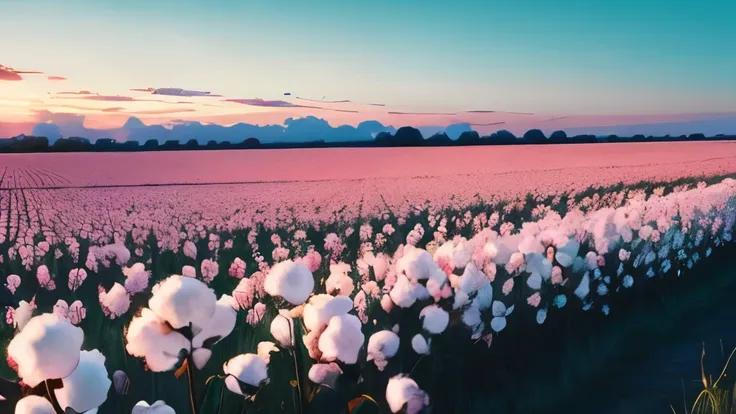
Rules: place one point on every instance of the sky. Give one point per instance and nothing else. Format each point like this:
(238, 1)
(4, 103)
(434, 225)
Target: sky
(571, 63)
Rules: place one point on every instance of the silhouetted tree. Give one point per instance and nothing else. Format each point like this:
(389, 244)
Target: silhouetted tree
(130, 145)
(439, 138)
(503, 137)
(104, 144)
(408, 136)
(558, 137)
(697, 137)
(384, 138)
(469, 138)
(534, 136)
(171, 144)
(251, 143)
(192, 143)
(151, 144)
(212, 144)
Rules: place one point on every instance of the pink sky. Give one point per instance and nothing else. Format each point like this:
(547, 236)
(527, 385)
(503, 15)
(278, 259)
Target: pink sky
(29, 96)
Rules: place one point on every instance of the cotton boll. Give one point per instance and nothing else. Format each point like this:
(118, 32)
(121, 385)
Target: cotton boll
(116, 301)
(159, 407)
(541, 316)
(484, 297)
(420, 292)
(461, 299)
(386, 303)
(220, 326)
(342, 339)
(249, 369)
(591, 260)
(182, 300)
(33, 404)
(325, 374)
(47, 348)
(188, 271)
(320, 308)
(583, 288)
(22, 315)
(264, 350)
(149, 337)
(416, 264)
(282, 328)
(419, 345)
(382, 345)
(292, 281)
(339, 280)
(471, 317)
(402, 293)
(402, 391)
(86, 388)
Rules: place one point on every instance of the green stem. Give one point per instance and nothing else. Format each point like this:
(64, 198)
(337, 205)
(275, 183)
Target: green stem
(222, 393)
(190, 381)
(298, 382)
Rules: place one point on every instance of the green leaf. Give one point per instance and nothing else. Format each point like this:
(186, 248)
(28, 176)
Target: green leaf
(213, 397)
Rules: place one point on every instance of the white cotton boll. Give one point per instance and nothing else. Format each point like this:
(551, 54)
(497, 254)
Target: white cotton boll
(22, 315)
(534, 281)
(472, 279)
(628, 281)
(148, 337)
(395, 329)
(221, 325)
(471, 316)
(402, 293)
(33, 404)
(264, 350)
(490, 250)
(249, 369)
(416, 264)
(420, 292)
(382, 346)
(484, 297)
(579, 265)
(117, 300)
(325, 374)
(380, 266)
(321, 308)
(537, 263)
(434, 319)
(530, 245)
(132, 270)
(402, 391)
(419, 344)
(339, 280)
(583, 288)
(342, 339)
(182, 300)
(506, 247)
(47, 348)
(188, 271)
(159, 407)
(292, 281)
(461, 299)
(86, 388)
(282, 328)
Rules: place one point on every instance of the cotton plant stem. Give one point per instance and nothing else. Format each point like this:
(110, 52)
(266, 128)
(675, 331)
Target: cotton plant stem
(52, 398)
(190, 380)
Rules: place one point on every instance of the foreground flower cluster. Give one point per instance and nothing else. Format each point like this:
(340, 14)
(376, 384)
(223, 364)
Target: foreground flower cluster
(335, 292)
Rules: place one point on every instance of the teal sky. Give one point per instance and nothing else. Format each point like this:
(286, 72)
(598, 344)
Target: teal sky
(543, 56)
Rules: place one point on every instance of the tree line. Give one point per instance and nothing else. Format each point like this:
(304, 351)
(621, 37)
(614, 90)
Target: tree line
(404, 137)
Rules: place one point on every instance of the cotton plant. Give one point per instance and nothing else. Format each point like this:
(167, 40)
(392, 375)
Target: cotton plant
(47, 356)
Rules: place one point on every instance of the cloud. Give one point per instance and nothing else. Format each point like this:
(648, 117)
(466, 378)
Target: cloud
(75, 93)
(344, 101)
(56, 78)
(282, 104)
(9, 74)
(115, 98)
(161, 111)
(422, 113)
(176, 92)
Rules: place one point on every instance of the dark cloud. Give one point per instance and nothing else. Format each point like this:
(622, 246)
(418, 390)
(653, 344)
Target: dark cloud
(75, 93)
(323, 101)
(488, 124)
(176, 92)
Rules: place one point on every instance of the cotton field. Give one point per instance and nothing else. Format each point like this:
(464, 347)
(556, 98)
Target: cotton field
(230, 297)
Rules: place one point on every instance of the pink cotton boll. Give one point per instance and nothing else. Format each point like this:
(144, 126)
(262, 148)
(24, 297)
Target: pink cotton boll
(508, 286)
(137, 283)
(76, 278)
(190, 250)
(188, 271)
(77, 312)
(534, 300)
(601, 261)
(256, 314)
(556, 277)
(237, 268)
(209, 269)
(12, 283)
(591, 260)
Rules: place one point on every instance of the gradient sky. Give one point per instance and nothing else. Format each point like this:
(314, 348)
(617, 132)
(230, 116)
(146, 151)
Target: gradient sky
(556, 58)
